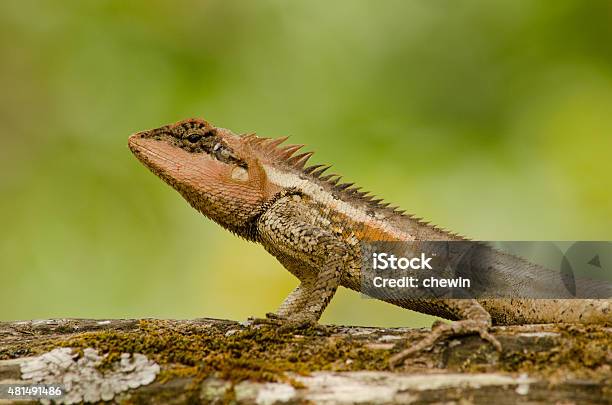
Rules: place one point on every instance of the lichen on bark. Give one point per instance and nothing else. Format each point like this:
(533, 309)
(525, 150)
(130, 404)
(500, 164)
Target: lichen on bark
(79, 375)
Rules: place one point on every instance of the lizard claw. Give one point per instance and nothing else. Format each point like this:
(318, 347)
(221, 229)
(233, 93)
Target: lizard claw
(441, 330)
(270, 319)
(485, 335)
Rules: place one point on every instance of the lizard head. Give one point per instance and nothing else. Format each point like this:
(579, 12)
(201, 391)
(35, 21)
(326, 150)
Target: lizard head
(215, 170)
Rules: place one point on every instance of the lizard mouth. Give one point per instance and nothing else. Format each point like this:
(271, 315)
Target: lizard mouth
(135, 142)
(145, 154)
(173, 164)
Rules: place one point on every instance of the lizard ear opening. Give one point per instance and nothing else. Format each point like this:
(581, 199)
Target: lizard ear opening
(240, 173)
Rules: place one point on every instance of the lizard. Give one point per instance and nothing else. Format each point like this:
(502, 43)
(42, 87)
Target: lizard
(264, 192)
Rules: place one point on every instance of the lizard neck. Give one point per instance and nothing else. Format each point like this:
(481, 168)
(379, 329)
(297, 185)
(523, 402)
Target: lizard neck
(381, 221)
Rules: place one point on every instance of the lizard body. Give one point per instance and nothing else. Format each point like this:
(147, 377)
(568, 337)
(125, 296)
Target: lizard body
(314, 226)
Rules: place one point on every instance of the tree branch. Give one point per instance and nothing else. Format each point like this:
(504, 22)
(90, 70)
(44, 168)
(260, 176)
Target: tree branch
(170, 361)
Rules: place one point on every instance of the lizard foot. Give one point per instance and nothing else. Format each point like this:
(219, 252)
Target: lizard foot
(270, 319)
(300, 322)
(292, 323)
(442, 330)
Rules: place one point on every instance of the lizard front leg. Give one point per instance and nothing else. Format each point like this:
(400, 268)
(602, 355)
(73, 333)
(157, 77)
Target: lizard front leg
(295, 301)
(315, 255)
(293, 304)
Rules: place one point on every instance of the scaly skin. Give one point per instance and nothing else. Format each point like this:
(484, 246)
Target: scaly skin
(263, 192)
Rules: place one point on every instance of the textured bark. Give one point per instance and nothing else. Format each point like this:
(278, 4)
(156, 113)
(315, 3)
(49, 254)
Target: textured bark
(539, 364)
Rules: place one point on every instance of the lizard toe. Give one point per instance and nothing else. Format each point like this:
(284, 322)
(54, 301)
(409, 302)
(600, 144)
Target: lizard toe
(485, 335)
(254, 321)
(302, 323)
(444, 331)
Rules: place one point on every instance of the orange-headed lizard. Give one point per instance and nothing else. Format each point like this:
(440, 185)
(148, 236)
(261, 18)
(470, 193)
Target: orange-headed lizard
(264, 192)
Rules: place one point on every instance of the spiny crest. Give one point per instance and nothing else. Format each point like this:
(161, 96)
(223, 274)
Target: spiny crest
(275, 153)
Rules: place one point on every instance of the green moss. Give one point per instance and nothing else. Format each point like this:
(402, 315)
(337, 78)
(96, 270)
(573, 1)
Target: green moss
(266, 353)
(581, 351)
(263, 353)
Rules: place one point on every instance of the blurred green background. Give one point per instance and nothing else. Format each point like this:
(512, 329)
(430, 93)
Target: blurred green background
(493, 119)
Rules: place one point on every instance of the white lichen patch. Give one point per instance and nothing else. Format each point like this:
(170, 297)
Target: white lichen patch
(81, 378)
(390, 338)
(539, 334)
(272, 393)
(523, 387)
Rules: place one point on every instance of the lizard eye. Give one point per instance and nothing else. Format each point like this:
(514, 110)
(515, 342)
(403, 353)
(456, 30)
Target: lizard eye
(193, 138)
